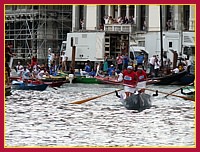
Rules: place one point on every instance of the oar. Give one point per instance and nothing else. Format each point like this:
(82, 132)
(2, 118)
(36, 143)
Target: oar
(177, 90)
(92, 98)
(186, 98)
(54, 88)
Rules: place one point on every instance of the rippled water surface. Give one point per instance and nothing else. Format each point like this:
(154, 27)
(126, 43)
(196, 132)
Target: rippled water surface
(47, 118)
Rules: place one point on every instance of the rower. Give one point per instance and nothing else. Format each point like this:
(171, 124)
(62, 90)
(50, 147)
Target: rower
(142, 79)
(130, 81)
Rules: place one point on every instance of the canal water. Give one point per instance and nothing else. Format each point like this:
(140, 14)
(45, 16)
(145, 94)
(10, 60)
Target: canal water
(47, 119)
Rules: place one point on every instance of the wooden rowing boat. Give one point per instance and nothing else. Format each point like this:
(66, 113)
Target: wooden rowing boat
(87, 80)
(108, 80)
(170, 79)
(189, 91)
(20, 85)
(55, 83)
(7, 90)
(139, 101)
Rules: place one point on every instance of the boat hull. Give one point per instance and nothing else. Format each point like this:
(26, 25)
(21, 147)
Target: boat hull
(108, 80)
(170, 79)
(189, 91)
(55, 83)
(7, 91)
(138, 102)
(29, 86)
(83, 79)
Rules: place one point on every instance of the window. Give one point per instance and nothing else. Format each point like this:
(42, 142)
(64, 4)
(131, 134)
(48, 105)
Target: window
(170, 44)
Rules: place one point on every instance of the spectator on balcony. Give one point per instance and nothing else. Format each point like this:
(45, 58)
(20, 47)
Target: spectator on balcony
(106, 19)
(81, 24)
(125, 20)
(110, 21)
(115, 21)
(168, 25)
(120, 20)
(144, 28)
(131, 21)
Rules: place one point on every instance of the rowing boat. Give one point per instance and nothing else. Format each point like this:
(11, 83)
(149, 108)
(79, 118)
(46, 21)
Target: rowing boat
(189, 91)
(137, 101)
(85, 79)
(20, 85)
(170, 79)
(55, 83)
(109, 80)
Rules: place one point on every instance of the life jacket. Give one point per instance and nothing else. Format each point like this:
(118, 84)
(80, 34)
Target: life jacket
(129, 79)
(141, 76)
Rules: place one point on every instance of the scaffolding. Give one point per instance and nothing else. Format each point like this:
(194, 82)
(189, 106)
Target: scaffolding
(32, 29)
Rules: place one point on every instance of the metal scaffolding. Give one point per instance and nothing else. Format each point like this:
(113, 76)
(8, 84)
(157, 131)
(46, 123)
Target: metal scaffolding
(32, 29)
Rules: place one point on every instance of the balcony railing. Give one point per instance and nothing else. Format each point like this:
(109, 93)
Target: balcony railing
(120, 27)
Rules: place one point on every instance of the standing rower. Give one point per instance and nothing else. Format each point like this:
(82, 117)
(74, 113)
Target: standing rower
(130, 81)
(142, 79)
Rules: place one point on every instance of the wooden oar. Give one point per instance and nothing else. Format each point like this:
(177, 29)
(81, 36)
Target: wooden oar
(92, 98)
(54, 88)
(177, 90)
(186, 98)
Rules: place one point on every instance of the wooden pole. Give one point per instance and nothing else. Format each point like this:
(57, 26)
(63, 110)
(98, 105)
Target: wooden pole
(73, 57)
(183, 97)
(177, 89)
(92, 98)
(161, 37)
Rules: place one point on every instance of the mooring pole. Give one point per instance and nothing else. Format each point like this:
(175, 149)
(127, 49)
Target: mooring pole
(73, 57)
(161, 37)
(73, 54)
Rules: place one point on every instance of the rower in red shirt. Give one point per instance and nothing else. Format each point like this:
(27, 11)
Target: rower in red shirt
(142, 79)
(130, 81)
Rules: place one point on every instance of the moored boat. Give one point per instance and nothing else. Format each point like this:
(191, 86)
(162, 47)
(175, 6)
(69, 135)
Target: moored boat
(14, 78)
(20, 85)
(189, 91)
(109, 80)
(169, 79)
(85, 79)
(186, 79)
(7, 90)
(55, 83)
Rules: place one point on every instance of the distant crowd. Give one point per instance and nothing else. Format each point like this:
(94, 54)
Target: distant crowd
(111, 66)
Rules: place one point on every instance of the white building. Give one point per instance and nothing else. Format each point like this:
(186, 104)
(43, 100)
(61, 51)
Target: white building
(176, 20)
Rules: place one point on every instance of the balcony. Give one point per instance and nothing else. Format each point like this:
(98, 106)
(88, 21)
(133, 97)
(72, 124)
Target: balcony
(120, 27)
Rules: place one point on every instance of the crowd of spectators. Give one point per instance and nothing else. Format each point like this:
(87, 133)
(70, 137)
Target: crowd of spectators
(119, 20)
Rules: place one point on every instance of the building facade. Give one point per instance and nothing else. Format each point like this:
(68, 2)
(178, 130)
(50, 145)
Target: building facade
(145, 17)
(142, 22)
(35, 28)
